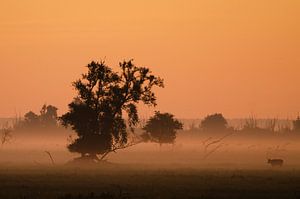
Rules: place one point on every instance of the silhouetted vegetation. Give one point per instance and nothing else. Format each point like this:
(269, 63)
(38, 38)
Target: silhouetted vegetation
(161, 128)
(214, 123)
(296, 125)
(251, 126)
(6, 134)
(47, 119)
(96, 114)
(251, 123)
(265, 126)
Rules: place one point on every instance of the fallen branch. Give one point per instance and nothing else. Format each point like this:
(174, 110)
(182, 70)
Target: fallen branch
(115, 148)
(50, 156)
(204, 142)
(212, 151)
(217, 141)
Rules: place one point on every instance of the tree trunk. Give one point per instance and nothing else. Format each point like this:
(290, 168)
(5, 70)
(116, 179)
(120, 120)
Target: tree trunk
(94, 156)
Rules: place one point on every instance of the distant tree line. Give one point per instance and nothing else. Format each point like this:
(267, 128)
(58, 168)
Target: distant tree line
(216, 123)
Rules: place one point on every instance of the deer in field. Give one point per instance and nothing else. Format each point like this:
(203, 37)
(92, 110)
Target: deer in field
(275, 162)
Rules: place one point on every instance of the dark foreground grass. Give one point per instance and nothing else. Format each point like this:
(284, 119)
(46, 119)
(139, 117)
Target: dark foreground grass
(116, 182)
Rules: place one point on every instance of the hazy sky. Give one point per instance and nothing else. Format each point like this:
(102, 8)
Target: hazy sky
(238, 57)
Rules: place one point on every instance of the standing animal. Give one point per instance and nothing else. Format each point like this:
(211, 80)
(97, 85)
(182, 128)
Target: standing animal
(275, 162)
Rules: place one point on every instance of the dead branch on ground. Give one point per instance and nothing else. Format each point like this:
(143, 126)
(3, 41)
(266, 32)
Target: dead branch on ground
(50, 156)
(216, 141)
(213, 151)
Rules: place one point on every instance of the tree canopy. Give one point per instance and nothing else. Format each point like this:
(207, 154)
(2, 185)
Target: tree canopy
(161, 128)
(103, 97)
(214, 122)
(46, 119)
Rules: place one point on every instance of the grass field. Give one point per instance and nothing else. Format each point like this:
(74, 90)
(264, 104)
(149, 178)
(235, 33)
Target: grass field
(238, 169)
(132, 181)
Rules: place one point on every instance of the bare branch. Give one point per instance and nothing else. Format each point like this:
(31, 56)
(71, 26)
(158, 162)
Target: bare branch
(212, 151)
(50, 156)
(217, 141)
(115, 148)
(206, 140)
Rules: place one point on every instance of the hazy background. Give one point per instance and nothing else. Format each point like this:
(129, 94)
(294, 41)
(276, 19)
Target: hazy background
(230, 56)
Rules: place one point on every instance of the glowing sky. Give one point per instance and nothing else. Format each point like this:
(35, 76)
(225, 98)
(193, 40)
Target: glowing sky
(230, 56)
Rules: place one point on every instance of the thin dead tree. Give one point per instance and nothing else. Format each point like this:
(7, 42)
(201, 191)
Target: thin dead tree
(271, 124)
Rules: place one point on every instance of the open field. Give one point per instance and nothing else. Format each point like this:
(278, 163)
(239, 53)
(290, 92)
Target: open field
(237, 169)
(132, 181)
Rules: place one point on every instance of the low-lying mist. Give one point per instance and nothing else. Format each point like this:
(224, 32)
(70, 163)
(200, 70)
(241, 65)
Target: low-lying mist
(190, 150)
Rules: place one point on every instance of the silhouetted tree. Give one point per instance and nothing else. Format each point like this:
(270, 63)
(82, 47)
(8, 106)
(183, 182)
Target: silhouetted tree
(31, 119)
(215, 122)
(296, 124)
(96, 114)
(161, 128)
(46, 119)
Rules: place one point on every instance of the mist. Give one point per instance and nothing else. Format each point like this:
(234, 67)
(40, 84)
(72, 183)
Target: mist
(192, 149)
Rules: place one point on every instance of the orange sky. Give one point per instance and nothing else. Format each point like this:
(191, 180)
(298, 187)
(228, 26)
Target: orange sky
(230, 56)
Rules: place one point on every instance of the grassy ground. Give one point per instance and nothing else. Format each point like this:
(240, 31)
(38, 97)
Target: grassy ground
(238, 169)
(129, 182)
